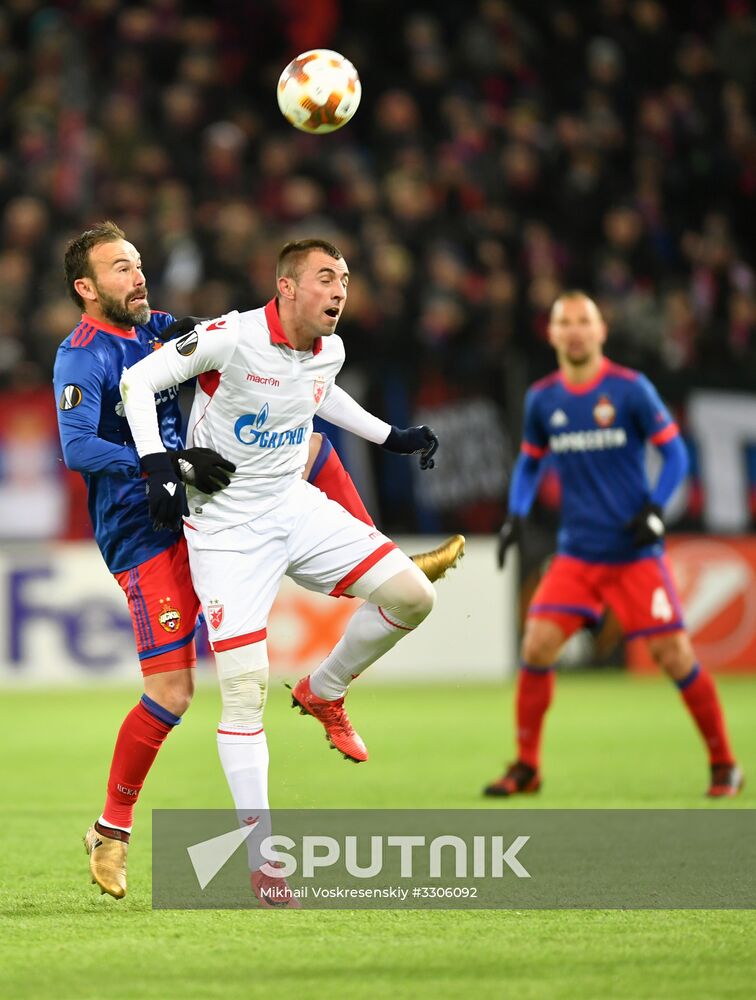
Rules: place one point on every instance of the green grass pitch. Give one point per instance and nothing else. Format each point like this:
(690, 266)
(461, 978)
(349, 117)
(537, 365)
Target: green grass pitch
(611, 742)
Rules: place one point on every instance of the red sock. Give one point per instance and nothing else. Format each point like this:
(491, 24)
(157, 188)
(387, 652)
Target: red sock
(700, 695)
(535, 689)
(330, 476)
(140, 737)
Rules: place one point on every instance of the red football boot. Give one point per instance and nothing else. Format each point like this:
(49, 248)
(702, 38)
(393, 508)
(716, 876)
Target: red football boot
(331, 714)
(726, 780)
(518, 778)
(274, 891)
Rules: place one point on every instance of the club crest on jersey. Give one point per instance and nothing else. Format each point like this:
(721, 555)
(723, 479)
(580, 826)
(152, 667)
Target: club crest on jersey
(604, 412)
(318, 388)
(70, 397)
(215, 614)
(169, 617)
(187, 345)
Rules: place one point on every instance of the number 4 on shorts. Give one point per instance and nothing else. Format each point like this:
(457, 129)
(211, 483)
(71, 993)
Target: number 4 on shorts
(661, 607)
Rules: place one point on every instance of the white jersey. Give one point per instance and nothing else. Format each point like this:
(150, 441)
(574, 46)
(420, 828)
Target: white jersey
(254, 403)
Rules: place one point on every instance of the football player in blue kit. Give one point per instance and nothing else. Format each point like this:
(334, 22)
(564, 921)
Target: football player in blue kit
(104, 277)
(595, 418)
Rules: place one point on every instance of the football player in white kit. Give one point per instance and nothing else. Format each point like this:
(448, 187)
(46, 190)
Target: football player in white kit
(261, 377)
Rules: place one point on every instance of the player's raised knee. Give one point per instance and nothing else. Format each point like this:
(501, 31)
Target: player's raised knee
(416, 596)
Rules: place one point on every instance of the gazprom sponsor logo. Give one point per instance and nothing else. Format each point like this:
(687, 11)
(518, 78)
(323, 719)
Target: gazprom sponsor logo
(594, 440)
(249, 429)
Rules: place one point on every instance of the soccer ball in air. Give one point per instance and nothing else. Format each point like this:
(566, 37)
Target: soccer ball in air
(319, 91)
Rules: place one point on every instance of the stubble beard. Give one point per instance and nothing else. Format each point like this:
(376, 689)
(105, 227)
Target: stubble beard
(579, 360)
(118, 312)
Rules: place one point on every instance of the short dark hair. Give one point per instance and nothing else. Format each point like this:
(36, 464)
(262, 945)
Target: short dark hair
(573, 293)
(294, 253)
(76, 263)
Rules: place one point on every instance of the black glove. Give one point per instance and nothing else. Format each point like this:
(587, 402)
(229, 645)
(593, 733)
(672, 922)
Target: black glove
(203, 468)
(179, 326)
(509, 533)
(165, 491)
(647, 526)
(410, 440)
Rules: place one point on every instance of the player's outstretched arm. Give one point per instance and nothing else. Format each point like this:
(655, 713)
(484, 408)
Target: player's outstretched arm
(182, 359)
(178, 327)
(340, 409)
(198, 351)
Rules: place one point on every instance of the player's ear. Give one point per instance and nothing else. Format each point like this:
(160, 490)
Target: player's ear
(85, 288)
(285, 287)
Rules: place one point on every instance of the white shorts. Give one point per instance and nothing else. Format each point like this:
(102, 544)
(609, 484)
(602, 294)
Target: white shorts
(237, 571)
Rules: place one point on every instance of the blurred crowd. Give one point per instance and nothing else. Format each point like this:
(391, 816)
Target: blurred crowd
(502, 152)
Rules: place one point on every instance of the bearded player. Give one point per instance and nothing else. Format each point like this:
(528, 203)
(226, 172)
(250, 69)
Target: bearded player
(594, 418)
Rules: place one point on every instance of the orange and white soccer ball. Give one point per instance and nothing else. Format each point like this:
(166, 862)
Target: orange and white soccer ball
(319, 91)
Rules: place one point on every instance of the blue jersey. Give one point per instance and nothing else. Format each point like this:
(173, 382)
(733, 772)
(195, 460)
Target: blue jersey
(96, 438)
(596, 434)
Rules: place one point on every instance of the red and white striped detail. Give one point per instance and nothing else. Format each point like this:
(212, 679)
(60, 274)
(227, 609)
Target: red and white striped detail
(362, 567)
(239, 640)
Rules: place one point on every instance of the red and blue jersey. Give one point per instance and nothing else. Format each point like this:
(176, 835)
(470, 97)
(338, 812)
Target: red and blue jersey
(96, 438)
(596, 435)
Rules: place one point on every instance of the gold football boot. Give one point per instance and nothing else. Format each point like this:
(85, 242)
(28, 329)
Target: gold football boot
(107, 859)
(436, 562)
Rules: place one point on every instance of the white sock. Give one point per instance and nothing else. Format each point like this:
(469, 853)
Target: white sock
(103, 822)
(244, 758)
(369, 634)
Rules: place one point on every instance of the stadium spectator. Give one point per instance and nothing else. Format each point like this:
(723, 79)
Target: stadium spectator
(592, 147)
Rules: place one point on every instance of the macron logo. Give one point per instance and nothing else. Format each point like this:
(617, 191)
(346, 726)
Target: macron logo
(170, 487)
(263, 380)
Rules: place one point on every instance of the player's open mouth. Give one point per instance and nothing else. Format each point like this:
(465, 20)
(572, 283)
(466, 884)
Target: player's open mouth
(332, 313)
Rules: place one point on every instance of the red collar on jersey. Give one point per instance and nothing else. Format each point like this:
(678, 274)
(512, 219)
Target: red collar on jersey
(107, 328)
(277, 335)
(580, 388)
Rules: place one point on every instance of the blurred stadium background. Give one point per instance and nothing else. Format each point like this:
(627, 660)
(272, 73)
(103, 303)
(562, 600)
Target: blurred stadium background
(503, 151)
